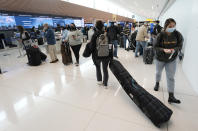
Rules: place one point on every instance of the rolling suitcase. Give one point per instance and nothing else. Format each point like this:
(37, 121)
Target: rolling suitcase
(66, 54)
(153, 108)
(34, 57)
(121, 42)
(40, 41)
(43, 56)
(148, 55)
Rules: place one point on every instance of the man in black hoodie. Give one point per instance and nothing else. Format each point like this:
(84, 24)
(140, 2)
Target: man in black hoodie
(157, 29)
(112, 33)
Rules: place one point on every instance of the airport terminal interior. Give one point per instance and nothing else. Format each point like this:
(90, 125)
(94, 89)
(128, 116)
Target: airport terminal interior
(98, 65)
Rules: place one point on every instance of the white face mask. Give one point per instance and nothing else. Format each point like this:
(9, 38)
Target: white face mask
(170, 30)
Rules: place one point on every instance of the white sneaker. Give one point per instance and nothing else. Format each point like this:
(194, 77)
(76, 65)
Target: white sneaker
(100, 83)
(106, 87)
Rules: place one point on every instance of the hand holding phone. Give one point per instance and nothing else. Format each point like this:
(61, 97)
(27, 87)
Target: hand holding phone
(172, 50)
(168, 51)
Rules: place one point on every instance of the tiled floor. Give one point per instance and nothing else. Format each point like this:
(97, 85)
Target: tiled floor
(54, 97)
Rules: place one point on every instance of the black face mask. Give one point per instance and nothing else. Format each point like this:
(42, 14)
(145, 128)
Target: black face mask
(73, 28)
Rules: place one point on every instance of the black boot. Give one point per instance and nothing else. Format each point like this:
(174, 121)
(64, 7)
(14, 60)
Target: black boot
(156, 88)
(172, 99)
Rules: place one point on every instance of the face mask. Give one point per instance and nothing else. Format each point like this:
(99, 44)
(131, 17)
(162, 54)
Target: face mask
(72, 28)
(170, 30)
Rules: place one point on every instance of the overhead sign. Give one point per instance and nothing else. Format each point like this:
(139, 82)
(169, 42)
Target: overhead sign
(114, 17)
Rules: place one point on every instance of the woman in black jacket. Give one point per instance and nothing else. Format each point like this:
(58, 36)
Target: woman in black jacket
(98, 60)
(167, 45)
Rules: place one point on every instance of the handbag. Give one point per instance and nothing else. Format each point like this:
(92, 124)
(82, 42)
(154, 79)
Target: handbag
(87, 52)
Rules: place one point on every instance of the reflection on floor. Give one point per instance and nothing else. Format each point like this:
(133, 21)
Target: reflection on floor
(54, 97)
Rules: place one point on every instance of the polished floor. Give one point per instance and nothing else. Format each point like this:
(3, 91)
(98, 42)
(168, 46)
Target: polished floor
(54, 97)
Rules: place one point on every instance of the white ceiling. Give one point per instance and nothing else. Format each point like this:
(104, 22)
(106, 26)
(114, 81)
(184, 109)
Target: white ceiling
(145, 8)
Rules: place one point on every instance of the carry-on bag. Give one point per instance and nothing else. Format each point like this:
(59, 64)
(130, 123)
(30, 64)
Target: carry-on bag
(66, 54)
(34, 57)
(121, 42)
(153, 108)
(148, 55)
(87, 51)
(40, 41)
(43, 56)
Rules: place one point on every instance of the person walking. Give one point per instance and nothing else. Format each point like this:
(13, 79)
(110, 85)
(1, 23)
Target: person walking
(74, 38)
(94, 46)
(167, 45)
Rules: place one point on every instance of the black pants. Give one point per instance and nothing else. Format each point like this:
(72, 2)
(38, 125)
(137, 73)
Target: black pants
(105, 63)
(76, 50)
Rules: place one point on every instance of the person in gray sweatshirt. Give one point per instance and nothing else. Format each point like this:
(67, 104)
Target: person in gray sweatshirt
(74, 38)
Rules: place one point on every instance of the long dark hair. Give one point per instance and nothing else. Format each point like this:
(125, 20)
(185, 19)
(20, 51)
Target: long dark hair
(73, 28)
(21, 29)
(67, 27)
(168, 21)
(99, 25)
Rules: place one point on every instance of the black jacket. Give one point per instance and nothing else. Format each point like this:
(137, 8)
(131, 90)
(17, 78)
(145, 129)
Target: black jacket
(112, 33)
(165, 41)
(157, 29)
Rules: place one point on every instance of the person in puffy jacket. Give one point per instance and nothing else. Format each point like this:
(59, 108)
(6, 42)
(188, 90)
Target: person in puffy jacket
(74, 37)
(167, 45)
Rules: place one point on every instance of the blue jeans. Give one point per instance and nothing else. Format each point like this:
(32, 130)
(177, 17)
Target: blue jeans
(115, 51)
(170, 68)
(138, 46)
(124, 39)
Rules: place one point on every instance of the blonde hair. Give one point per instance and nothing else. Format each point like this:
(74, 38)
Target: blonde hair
(46, 24)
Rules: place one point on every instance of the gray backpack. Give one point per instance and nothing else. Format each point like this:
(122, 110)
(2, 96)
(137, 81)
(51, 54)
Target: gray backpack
(102, 45)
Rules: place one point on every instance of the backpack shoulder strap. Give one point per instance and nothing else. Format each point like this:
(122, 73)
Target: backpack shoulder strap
(161, 34)
(176, 34)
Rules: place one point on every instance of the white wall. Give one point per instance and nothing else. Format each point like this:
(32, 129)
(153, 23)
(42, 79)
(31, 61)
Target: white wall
(185, 12)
